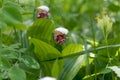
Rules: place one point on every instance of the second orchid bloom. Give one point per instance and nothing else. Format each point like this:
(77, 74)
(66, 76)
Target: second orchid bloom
(42, 12)
(60, 35)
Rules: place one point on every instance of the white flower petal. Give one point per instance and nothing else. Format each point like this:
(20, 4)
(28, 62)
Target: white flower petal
(62, 30)
(45, 8)
(47, 78)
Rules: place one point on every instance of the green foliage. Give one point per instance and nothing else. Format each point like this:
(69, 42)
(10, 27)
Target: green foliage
(28, 50)
(72, 65)
(44, 51)
(30, 62)
(11, 14)
(72, 48)
(16, 73)
(42, 29)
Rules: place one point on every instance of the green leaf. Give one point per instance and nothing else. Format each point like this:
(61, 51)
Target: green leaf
(5, 64)
(10, 13)
(57, 68)
(42, 29)
(16, 73)
(72, 48)
(44, 51)
(30, 62)
(72, 65)
(116, 69)
(71, 68)
(102, 59)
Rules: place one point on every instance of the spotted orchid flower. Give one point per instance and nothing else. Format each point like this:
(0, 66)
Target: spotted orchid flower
(42, 11)
(60, 35)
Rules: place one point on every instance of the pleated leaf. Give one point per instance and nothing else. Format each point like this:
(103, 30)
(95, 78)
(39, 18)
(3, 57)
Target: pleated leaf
(44, 51)
(42, 29)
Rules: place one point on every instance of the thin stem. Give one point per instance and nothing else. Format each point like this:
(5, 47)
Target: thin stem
(93, 35)
(87, 58)
(83, 52)
(106, 43)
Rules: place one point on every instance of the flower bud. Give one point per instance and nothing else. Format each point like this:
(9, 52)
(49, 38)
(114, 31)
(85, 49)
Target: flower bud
(60, 35)
(42, 11)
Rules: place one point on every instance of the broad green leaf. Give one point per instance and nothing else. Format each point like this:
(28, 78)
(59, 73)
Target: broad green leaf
(72, 65)
(116, 69)
(42, 29)
(30, 62)
(16, 73)
(10, 14)
(44, 51)
(71, 68)
(72, 48)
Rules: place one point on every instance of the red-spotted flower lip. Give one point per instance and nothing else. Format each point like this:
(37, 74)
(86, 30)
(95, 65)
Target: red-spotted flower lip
(60, 35)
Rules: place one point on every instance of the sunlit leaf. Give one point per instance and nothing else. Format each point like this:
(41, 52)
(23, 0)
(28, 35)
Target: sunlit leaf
(72, 48)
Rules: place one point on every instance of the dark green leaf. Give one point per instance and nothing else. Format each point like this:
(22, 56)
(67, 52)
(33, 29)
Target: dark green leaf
(5, 64)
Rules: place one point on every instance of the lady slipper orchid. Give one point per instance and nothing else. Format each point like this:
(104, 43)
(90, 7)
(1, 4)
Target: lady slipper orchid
(60, 35)
(42, 11)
